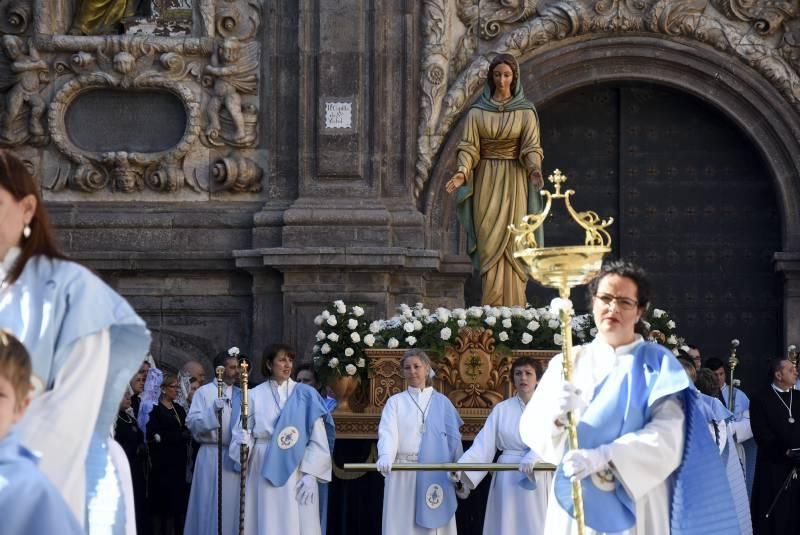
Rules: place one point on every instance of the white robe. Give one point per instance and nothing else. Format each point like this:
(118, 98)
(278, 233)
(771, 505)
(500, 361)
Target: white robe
(510, 509)
(59, 423)
(399, 437)
(202, 421)
(270, 509)
(643, 460)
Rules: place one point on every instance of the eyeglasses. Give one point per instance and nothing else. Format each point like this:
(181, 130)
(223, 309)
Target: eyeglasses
(623, 303)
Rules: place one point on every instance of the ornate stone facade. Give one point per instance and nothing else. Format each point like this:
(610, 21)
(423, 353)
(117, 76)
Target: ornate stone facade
(233, 175)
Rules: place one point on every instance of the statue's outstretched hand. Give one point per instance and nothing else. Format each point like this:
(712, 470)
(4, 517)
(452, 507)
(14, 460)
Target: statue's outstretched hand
(455, 182)
(536, 178)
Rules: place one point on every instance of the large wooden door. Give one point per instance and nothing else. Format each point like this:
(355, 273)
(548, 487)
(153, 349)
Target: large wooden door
(693, 203)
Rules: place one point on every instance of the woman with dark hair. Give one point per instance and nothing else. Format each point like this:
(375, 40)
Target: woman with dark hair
(289, 450)
(643, 440)
(517, 501)
(169, 446)
(78, 332)
(498, 179)
(418, 425)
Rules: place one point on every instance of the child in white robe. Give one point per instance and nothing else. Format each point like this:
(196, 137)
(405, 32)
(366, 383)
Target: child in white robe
(29, 503)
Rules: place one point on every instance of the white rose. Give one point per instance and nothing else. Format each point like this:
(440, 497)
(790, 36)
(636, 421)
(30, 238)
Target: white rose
(352, 324)
(505, 312)
(318, 320)
(475, 312)
(410, 340)
(375, 327)
(361, 363)
(507, 323)
(554, 324)
(369, 340)
(461, 323)
(358, 311)
(593, 331)
(341, 310)
(490, 321)
(527, 315)
(671, 324)
(443, 314)
(558, 305)
(333, 337)
(425, 312)
(527, 338)
(320, 335)
(417, 325)
(325, 315)
(332, 321)
(672, 340)
(533, 325)
(445, 333)
(234, 351)
(408, 327)
(657, 312)
(545, 314)
(355, 337)
(460, 313)
(325, 349)
(316, 348)
(503, 336)
(557, 339)
(350, 369)
(392, 343)
(333, 362)
(407, 313)
(338, 303)
(348, 352)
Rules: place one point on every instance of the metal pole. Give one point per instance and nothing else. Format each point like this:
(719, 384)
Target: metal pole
(243, 449)
(447, 467)
(220, 393)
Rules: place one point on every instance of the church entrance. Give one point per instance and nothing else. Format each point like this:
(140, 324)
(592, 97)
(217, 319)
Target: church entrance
(693, 202)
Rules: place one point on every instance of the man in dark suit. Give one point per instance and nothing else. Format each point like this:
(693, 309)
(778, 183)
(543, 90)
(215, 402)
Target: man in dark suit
(775, 419)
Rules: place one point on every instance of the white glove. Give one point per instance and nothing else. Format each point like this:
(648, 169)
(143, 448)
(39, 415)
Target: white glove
(384, 466)
(569, 399)
(242, 436)
(219, 403)
(578, 464)
(307, 489)
(527, 464)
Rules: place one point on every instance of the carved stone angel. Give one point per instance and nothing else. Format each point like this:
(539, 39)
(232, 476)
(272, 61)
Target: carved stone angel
(21, 77)
(234, 69)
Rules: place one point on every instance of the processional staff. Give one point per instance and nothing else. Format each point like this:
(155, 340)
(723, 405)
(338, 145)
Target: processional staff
(244, 450)
(220, 393)
(563, 268)
(732, 362)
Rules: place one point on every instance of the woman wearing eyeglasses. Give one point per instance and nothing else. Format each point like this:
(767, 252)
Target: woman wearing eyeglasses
(644, 453)
(169, 441)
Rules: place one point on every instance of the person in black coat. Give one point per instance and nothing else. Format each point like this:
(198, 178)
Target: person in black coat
(131, 438)
(169, 445)
(775, 419)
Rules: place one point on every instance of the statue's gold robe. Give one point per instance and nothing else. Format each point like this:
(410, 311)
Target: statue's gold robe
(95, 17)
(497, 152)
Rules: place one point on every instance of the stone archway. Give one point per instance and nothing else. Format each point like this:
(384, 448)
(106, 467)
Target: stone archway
(744, 96)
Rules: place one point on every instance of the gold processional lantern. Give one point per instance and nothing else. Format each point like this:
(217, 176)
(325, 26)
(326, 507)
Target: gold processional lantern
(563, 268)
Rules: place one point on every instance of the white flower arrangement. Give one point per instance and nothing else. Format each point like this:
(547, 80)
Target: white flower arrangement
(345, 333)
(233, 352)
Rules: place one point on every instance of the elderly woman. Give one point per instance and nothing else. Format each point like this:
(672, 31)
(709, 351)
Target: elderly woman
(289, 449)
(169, 442)
(517, 500)
(418, 425)
(642, 439)
(78, 332)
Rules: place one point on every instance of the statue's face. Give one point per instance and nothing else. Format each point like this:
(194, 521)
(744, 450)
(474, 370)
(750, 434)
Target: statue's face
(12, 48)
(503, 77)
(229, 53)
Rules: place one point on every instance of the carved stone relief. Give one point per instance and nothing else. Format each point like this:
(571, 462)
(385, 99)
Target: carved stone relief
(459, 44)
(213, 75)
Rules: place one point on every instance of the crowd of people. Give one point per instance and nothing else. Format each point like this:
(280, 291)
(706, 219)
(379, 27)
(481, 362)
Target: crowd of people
(665, 445)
